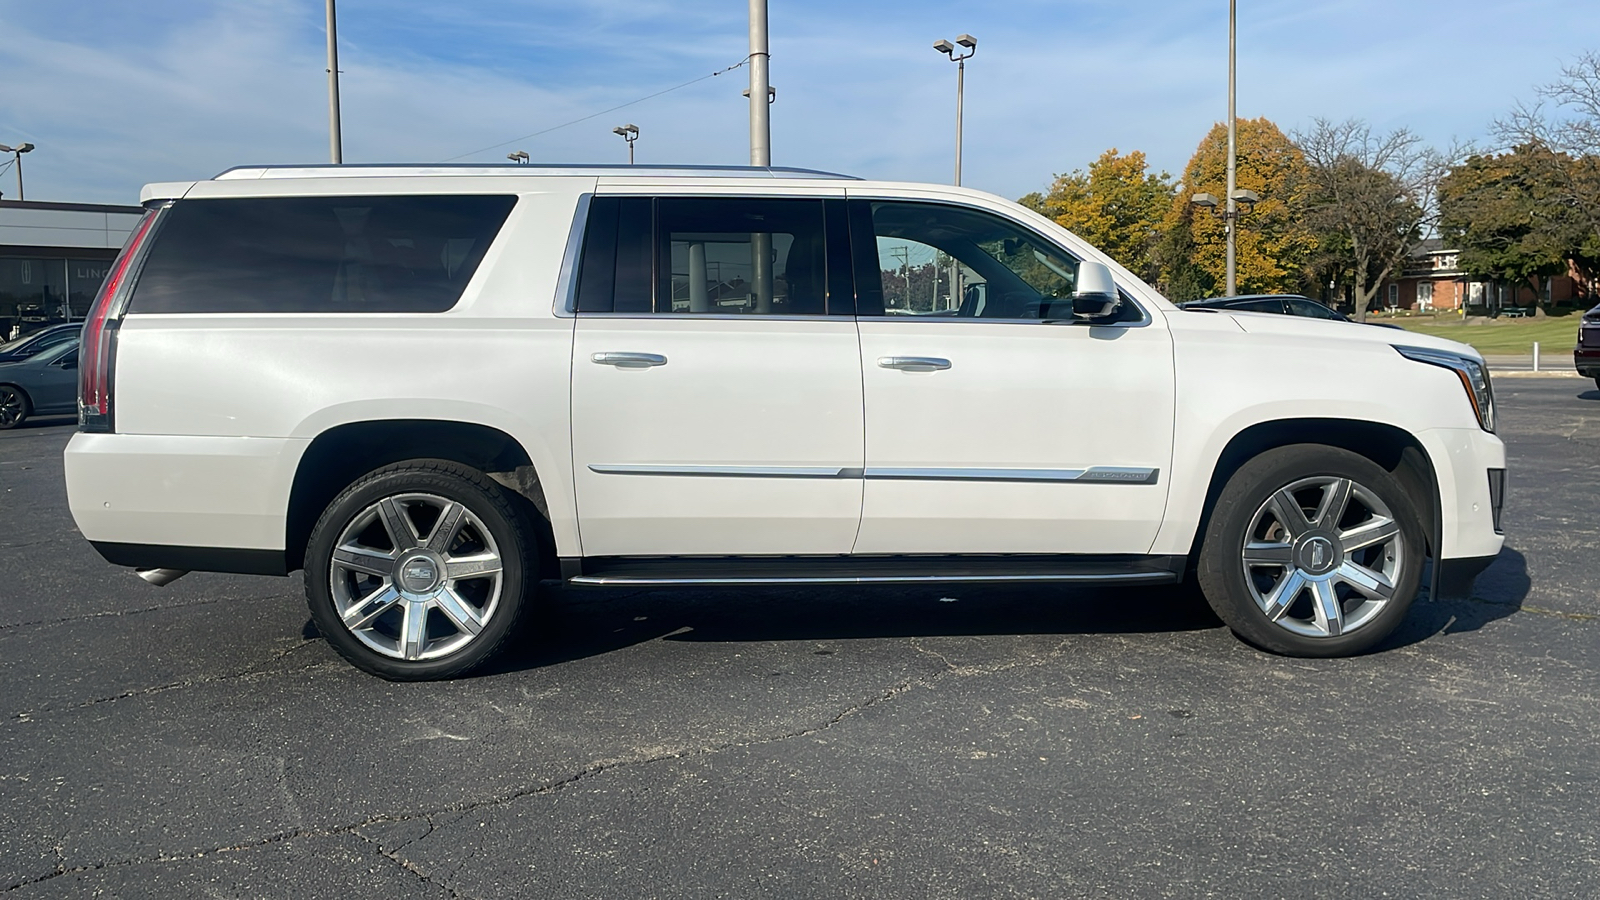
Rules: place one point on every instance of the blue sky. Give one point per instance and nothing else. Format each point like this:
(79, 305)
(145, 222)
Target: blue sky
(118, 93)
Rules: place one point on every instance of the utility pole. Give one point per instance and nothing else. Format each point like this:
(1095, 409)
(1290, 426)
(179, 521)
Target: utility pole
(1232, 217)
(760, 88)
(335, 142)
(760, 148)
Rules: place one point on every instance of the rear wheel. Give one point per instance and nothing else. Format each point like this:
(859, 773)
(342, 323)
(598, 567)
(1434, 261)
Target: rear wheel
(417, 571)
(1312, 551)
(14, 406)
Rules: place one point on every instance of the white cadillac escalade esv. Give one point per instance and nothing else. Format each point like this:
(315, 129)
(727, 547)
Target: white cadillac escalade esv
(431, 388)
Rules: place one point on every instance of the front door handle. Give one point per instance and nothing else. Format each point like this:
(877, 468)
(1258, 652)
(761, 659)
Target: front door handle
(630, 360)
(914, 363)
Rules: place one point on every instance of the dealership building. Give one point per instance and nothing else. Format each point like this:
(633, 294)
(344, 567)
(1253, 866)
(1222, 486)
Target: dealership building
(53, 257)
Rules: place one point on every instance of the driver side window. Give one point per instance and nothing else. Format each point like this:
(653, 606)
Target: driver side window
(954, 262)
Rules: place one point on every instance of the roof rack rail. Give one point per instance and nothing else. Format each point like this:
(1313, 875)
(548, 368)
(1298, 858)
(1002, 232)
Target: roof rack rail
(325, 170)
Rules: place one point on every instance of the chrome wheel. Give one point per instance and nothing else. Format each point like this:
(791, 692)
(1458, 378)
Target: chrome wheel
(1322, 556)
(416, 576)
(13, 407)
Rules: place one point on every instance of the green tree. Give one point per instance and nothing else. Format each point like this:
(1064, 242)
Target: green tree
(1273, 245)
(1117, 205)
(1505, 215)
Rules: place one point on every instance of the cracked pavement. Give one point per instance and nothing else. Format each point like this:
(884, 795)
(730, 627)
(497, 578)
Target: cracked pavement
(199, 740)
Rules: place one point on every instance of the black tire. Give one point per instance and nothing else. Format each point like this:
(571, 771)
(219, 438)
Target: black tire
(15, 407)
(505, 533)
(1243, 507)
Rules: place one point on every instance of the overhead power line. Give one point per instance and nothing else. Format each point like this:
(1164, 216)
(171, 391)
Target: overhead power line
(602, 112)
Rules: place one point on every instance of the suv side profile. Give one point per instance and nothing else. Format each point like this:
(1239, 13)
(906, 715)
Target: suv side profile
(432, 388)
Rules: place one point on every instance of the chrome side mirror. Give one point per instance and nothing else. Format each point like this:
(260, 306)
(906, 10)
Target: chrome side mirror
(1096, 294)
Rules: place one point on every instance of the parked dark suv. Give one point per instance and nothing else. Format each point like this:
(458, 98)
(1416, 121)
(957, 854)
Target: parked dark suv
(1587, 355)
(1282, 304)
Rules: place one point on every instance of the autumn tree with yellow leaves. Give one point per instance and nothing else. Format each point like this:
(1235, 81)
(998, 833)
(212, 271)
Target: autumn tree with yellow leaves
(1117, 205)
(1274, 246)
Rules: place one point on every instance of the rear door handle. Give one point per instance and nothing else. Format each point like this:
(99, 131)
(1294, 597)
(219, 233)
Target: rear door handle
(629, 360)
(914, 363)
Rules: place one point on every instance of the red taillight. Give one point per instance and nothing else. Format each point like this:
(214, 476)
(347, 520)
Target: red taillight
(94, 358)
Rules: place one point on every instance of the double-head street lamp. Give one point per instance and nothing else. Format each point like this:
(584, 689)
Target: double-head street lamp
(1240, 203)
(17, 152)
(1236, 196)
(630, 133)
(970, 44)
(518, 156)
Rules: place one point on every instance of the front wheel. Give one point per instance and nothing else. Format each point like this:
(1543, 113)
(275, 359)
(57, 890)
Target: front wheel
(14, 406)
(1312, 551)
(417, 571)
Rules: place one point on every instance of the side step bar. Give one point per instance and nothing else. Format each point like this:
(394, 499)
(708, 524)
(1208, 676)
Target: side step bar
(686, 571)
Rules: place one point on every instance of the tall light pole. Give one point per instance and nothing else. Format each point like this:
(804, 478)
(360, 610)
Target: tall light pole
(335, 142)
(630, 133)
(1232, 219)
(970, 43)
(761, 96)
(16, 153)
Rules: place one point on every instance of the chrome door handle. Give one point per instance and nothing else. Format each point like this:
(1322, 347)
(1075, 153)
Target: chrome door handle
(914, 363)
(630, 360)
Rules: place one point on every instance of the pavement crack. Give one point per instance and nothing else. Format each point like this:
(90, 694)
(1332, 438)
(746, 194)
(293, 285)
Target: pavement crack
(113, 614)
(410, 867)
(548, 787)
(251, 674)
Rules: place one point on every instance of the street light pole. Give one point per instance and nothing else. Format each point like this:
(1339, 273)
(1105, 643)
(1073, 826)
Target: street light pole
(760, 150)
(16, 153)
(335, 141)
(971, 44)
(630, 133)
(1232, 218)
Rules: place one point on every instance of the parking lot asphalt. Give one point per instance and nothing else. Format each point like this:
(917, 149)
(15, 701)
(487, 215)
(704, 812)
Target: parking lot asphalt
(200, 740)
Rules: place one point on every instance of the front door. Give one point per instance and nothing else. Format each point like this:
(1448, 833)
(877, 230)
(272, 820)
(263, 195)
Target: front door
(716, 403)
(994, 423)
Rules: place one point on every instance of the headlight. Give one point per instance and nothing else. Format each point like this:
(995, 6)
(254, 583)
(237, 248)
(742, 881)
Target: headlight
(1474, 377)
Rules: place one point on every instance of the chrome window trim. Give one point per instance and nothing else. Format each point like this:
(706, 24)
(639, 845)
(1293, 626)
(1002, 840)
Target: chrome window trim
(566, 303)
(1086, 475)
(726, 317)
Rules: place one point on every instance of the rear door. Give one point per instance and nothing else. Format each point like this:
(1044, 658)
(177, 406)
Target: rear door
(716, 402)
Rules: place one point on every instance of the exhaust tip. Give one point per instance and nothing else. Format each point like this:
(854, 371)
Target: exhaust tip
(161, 577)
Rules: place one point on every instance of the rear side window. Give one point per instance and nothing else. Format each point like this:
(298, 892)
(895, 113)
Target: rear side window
(318, 254)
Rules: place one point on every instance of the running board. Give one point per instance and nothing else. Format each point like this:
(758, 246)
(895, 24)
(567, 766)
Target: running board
(687, 571)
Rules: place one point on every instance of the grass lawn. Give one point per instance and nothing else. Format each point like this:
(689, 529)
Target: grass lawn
(1556, 334)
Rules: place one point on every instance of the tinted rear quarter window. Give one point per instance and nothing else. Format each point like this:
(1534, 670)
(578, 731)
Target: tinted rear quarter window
(318, 254)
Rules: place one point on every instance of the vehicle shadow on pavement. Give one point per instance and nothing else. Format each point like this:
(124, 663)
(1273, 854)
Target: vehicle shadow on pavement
(1590, 395)
(1497, 593)
(583, 623)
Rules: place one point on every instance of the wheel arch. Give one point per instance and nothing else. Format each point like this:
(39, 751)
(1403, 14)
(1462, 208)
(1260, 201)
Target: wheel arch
(1395, 449)
(338, 456)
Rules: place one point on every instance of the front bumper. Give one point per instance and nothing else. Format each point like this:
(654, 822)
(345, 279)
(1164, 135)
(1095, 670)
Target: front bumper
(1587, 361)
(1469, 496)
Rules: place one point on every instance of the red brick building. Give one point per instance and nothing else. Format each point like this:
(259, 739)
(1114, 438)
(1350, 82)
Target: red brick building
(1434, 280)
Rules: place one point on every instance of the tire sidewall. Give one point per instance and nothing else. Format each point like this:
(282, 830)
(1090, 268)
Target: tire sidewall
(27, 406)
(451, 481)
(1222, 576)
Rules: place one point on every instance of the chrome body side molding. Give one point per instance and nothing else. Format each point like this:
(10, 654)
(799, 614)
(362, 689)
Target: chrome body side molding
(1092, 474)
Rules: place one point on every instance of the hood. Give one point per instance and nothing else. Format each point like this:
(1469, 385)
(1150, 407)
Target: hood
(1355, 332)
